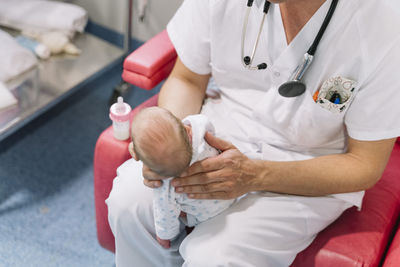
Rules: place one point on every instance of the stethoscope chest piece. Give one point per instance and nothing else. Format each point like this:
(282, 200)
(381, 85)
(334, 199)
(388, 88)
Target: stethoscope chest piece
(295, 87)
(292, 88)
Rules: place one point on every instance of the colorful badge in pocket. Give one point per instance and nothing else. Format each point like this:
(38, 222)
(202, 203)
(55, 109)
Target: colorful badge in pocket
(336, 94)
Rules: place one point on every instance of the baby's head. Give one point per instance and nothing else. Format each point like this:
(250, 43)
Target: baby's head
(161, 141)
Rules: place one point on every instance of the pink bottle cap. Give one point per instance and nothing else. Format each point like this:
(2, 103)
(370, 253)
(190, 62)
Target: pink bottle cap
(120, 111)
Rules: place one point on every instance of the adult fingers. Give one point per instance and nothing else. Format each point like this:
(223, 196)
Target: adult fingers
(214, 195)
(198, 179)
(203, 188)
(204, 166)
(218, 143)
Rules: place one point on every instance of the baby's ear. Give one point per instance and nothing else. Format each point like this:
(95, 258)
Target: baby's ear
(188, 129)
(132, 152)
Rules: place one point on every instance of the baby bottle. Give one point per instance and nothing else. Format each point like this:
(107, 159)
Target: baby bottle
(119, 114)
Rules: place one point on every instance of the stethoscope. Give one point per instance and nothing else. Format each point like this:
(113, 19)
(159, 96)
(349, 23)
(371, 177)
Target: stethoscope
(293, 87)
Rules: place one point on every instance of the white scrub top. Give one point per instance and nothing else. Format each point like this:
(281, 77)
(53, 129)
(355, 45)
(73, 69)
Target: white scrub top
(361, 43)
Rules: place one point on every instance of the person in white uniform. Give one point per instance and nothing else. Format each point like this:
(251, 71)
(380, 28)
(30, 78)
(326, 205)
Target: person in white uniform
(167, 147)
(294, 163)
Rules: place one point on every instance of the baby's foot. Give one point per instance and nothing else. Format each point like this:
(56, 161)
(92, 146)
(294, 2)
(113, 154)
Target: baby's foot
(165, 243)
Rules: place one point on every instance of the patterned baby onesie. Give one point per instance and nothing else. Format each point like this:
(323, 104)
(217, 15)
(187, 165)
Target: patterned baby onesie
(168, 204)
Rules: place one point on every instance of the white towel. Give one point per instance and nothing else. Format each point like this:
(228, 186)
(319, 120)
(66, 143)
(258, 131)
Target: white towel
(14, 59)
(7, 100)
(43, 16)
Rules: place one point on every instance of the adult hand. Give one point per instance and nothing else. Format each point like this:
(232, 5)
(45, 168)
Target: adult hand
(226, 176)
(151, 179)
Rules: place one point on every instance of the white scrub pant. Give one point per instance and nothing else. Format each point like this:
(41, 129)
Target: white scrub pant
(261, 229)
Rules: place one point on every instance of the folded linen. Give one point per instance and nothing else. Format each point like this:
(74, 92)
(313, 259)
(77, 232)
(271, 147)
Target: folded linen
(7, 99)
(14, 59)
(42, 15)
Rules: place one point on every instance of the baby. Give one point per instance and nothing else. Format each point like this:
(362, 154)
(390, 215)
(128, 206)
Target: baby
(168, 146)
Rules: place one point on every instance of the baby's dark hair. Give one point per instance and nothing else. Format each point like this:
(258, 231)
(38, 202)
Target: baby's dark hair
(161, 142)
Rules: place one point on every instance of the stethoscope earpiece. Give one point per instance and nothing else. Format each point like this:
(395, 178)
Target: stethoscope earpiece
(247, 62)
(262, 66)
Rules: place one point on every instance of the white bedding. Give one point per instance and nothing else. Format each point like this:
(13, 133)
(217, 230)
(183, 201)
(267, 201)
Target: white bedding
(14, 59)
(41, 15)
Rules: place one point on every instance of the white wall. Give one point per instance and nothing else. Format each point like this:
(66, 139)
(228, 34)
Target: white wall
(112, 14)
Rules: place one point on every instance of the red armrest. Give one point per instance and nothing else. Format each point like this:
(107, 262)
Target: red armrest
(393, 255)
(360, 238)
(151, 63)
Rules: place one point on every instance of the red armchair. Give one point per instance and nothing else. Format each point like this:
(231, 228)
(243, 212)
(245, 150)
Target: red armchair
(354, 239)
(392, 258)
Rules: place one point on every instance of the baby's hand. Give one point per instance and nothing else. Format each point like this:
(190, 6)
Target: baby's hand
(164, 242)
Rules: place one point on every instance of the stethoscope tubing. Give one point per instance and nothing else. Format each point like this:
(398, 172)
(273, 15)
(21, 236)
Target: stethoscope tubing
(299, 72)
(325, 23)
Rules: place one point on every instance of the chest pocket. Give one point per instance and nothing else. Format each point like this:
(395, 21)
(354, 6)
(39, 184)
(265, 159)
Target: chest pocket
(319, 127)
(326, 112)
(299, 122)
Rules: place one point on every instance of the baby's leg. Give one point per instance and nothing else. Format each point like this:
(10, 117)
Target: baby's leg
(166, 214)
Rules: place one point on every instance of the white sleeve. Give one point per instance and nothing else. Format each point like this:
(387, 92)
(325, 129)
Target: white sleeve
(375, 111)
(166, 212)
(189, 31)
